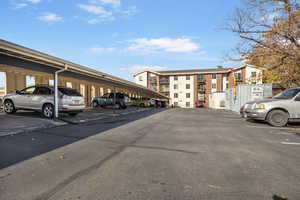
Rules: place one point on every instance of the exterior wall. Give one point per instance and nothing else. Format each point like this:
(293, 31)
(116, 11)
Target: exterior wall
(248, 75)
(142, 79)
(208, 82)
(225, 82)
(219, 83)
(181, 91)
(16, 80)
(195, 89)
(213, 81)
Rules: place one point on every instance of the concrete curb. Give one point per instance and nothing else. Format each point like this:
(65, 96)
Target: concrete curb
(29, 129)
(62, 122)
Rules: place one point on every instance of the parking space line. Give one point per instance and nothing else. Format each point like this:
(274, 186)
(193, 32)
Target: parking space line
(270, 127)
(291, 143)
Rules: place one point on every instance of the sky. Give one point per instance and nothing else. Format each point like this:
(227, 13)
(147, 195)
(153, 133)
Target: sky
(121, 37)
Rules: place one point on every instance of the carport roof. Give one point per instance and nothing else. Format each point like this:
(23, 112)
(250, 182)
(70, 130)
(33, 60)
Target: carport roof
(25, 53)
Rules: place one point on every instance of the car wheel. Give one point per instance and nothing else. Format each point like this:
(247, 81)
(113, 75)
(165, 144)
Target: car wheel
(48, 111)
(73, 114)
(142, 105)
(95, 104)
(9, 107)
(278, 118)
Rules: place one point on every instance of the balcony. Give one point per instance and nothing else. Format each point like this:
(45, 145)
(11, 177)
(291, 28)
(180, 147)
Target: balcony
(201, 79)
(201, 89)
(153, 80)
(164, 89)
(164, 80)
(153, 87)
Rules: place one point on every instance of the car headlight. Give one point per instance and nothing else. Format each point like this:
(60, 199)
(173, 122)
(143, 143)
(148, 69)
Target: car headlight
(260, 106)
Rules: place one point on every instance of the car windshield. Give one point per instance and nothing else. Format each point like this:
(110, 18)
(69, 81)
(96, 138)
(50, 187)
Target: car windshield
(287, 94)
(69, 92)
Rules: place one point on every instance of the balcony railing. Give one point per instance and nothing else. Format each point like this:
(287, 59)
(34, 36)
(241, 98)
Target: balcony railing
(201, 79)
(153, 80)
(164, 80)
(164, 89)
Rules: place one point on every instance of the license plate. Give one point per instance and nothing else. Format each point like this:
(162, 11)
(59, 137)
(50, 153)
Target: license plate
(76, 102)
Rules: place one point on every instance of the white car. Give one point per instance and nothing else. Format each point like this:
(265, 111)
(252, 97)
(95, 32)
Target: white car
(41, 98)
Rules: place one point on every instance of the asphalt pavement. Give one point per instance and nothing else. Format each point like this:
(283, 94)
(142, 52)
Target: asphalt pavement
(166, 154)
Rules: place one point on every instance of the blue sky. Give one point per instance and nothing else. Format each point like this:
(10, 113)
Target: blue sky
(121, 37)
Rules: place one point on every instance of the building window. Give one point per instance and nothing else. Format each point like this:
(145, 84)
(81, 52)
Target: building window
(188, 86)
(253, 74)
(30, 81)
(175, 95)
(68, 84)
(214, 76)
(140, 78)
(188, 95)
(175, 86)
(188, 104)
(187, 78)
(175, 78)
(213, 86)
(238, 76)
(82, 89)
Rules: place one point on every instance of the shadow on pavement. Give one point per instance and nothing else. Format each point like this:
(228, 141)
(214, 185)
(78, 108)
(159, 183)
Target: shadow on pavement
(15, 149)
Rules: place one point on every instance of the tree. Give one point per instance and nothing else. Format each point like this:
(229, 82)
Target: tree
(270, 38)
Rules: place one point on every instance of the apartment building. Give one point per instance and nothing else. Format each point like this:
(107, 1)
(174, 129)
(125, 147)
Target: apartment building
(186, 87)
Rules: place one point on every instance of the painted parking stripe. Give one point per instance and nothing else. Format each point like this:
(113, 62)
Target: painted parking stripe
(291, 143)
(270, 127)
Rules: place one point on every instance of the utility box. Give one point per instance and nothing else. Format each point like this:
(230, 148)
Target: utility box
(245, 93)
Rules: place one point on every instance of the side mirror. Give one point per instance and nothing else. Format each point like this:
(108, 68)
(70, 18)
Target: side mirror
(18, 92)
(297, 98)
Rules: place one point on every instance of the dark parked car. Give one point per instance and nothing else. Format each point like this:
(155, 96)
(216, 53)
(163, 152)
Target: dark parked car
(122, 100)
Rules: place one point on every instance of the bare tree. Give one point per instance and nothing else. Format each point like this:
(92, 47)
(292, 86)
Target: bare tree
(270, 35)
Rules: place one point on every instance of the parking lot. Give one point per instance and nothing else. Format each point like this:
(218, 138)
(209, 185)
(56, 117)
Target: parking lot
(156, 154)
(26, 121)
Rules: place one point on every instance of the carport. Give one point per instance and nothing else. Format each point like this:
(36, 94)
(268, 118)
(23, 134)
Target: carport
(22, 66)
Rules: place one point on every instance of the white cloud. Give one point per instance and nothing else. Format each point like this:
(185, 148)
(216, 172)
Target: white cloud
(132, 10)
(50, 17)
(34, 1)
(21, 5)
(163, 44)
(101, 49)
(97, 10)
(140, 68)
(111, 2)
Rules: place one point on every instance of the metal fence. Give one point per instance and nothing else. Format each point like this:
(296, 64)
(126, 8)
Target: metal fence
(245, 93)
